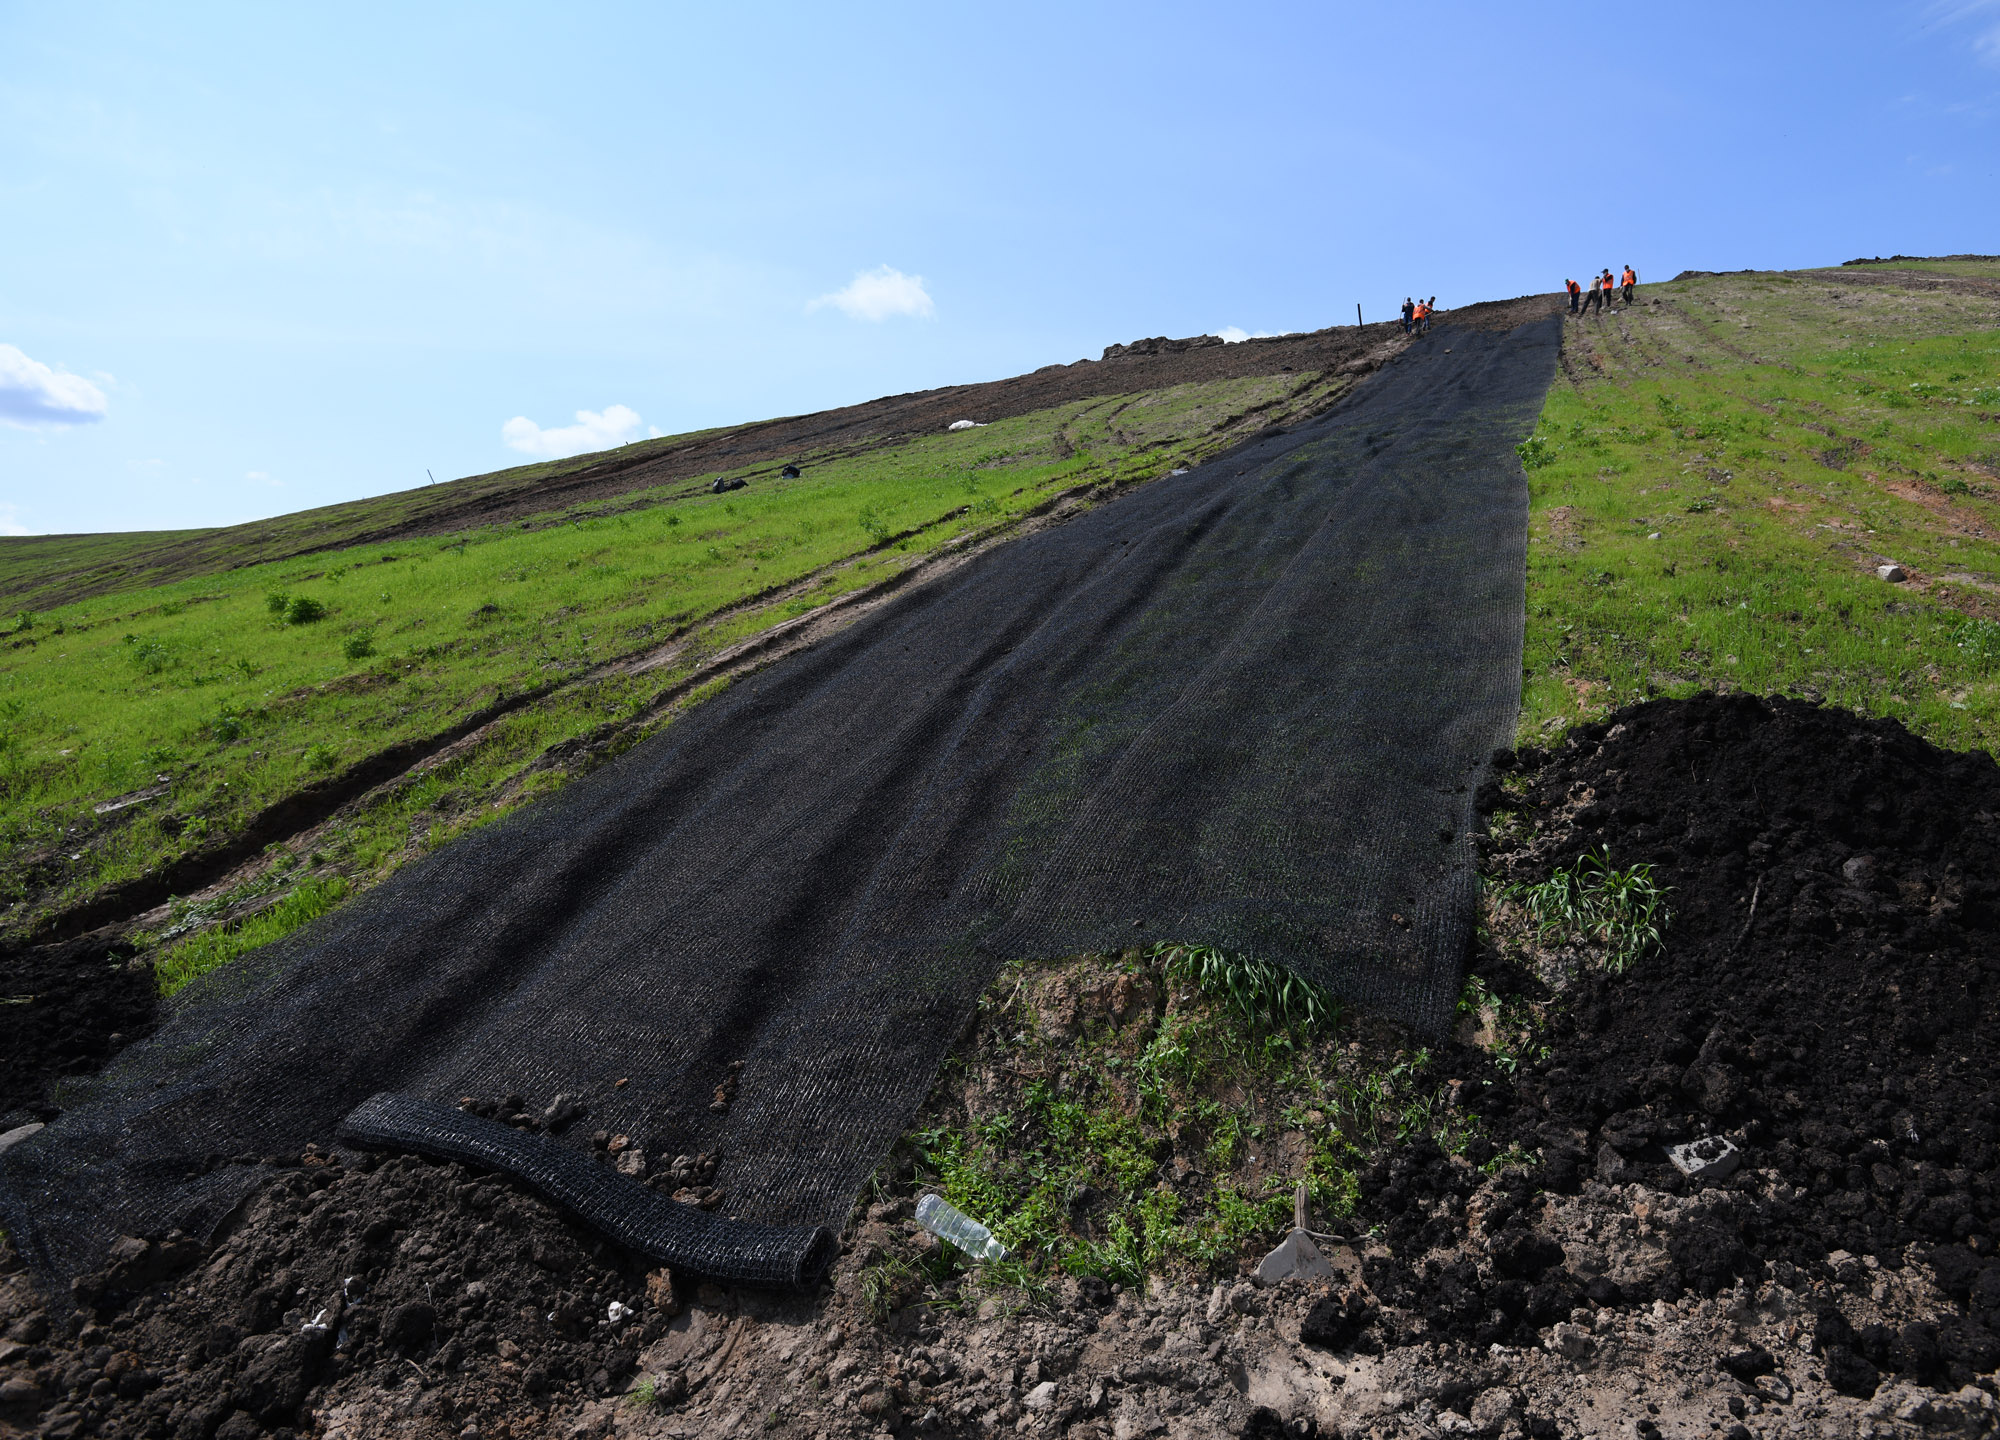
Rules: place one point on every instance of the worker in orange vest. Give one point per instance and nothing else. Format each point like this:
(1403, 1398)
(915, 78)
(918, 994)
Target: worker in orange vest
(1575, 296)
(1631, 278)
(1423, 317)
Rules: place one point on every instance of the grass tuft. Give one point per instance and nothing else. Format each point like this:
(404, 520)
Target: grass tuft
(1261, 992)
(1620, 913)
(178, 964)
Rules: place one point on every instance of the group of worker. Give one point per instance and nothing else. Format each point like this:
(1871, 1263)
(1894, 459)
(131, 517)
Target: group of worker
(1598, 294)
(1417, 314)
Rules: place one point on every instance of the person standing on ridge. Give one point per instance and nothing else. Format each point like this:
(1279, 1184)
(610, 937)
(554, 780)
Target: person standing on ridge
(1409, 313)
(1631, 278)
(1575, 296)
(1606, 283)
(1593, 299)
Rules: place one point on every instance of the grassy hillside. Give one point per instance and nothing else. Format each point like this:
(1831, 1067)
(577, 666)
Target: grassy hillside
(1720, 470)
(157, 738)
(1716, 476)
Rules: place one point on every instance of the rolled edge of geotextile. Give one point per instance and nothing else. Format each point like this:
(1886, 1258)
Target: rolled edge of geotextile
(682, 1237)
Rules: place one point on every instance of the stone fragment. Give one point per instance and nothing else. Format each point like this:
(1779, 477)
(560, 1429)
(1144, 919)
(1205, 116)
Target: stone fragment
(1894, 574)
(1710, 1158)
(1042, 1397)
(1493, 1410)
(1572, 1342)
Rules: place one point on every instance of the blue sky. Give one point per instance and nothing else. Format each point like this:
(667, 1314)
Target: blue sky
(259, 258)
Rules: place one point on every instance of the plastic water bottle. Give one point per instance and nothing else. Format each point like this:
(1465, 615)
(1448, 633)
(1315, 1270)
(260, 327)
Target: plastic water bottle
(943, 1220)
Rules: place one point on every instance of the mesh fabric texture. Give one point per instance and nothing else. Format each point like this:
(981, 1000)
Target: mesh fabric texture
(1244, 706)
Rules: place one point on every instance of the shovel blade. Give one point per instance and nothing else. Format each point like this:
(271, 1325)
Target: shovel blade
(1296, 1258)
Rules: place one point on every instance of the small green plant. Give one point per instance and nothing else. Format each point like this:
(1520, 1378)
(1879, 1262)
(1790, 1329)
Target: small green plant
(1535, 453)
(888, 1286)
(229, 724)
(872, 524)
(276, 602)
(151, 656)
(645, 1395)
(321, 757)
(1977, 639)
(303, 610)
(1259, 991)
(25, 620)
(1592, 902)
(359, 646)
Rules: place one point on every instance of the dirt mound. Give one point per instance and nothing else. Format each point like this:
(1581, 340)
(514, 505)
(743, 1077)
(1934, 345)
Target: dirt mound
(70, 1007)
(445, 1297)
(1827, 999)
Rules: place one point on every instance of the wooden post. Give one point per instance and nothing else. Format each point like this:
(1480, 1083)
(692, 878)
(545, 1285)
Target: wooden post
(1357, 314)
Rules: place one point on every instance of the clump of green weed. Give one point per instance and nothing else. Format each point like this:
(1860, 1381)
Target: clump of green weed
(1977, 639)
(1594, 903)
(229, 724)
(321, 757)
(1259, 991)
(303, 610)
(24, 621)
(1511, 1022)
(150, 655)
(359, 646)
(1535, 453)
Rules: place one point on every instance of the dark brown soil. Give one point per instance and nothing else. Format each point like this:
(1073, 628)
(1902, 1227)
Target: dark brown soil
(425, 1281)
(1828, 998)
(69, 1008)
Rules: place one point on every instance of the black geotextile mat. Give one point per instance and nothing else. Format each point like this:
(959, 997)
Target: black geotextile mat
(1246, 706)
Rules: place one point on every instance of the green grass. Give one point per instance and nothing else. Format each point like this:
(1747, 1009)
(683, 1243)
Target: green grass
(218, 946)
(1260, 992)
(238, 689)
(1620, 916)
(1713, 482)
(1156, 1142)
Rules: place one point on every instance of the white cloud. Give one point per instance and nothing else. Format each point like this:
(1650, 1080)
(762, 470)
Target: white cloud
(10, 522)
(262, 477)
(880, 293)
(33, 395)
(617, 425)
(1984, 18)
